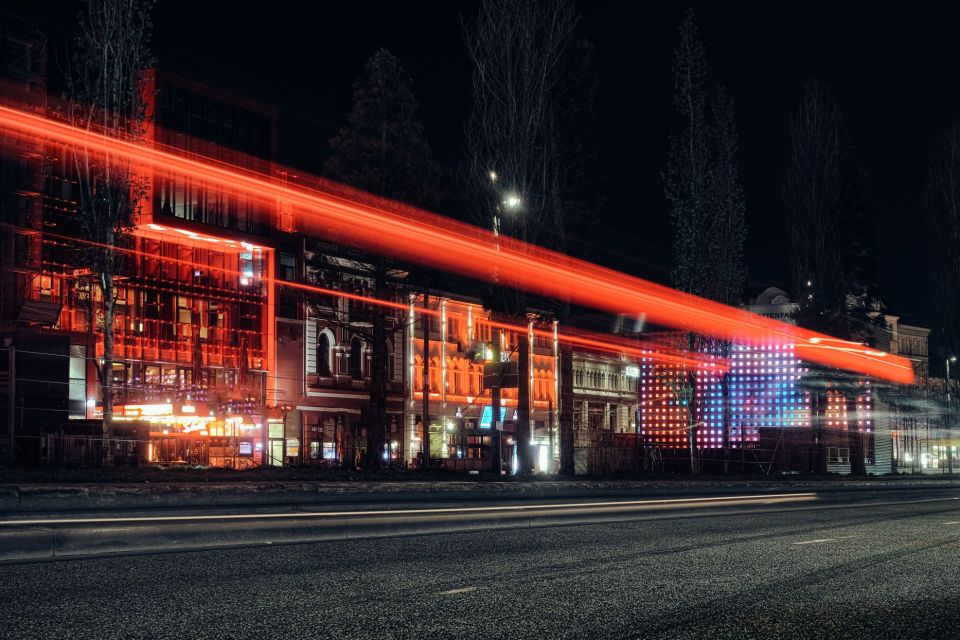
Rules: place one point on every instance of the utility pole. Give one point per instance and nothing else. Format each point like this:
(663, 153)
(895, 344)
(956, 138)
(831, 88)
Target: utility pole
(495, 410)
(636, 439)
(567, 464)
(12, 377)
(947, 416)
(425, 327)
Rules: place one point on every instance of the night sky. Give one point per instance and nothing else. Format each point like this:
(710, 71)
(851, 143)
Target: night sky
(891, 68)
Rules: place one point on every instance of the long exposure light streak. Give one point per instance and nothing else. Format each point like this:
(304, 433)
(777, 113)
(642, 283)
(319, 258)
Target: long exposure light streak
(413, 234)
(584, 339)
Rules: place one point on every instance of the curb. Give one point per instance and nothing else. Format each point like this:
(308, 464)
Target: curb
(19, 499)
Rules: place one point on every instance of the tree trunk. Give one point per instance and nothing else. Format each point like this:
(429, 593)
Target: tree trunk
(425, 441)
(379, 371)
(858, 466)
(566, 410)
(524, 457)
(106, 288)
(690, 395)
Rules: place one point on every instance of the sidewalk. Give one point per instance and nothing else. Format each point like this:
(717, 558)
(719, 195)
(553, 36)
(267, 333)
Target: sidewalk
(31, 497)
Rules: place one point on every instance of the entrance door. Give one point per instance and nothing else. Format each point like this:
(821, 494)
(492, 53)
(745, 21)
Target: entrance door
(276, 453)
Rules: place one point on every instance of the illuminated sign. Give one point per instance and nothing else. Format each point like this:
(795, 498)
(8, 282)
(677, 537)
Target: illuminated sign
(139, 410)
(486, 418)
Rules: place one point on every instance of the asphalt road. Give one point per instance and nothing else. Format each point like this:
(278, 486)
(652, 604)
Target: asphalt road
(837, 570)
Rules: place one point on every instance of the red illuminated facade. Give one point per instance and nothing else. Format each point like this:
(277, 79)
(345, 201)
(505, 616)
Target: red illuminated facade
(193, 330)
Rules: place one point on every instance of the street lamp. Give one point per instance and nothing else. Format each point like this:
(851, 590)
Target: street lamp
(512, 201)
(949, 447)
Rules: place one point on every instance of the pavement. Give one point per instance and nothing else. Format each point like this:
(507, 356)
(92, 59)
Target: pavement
(79, 496)
(878, 565)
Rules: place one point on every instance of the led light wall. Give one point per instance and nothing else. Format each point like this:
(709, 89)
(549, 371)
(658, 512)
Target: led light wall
(764, 391)
(838, 415)
(761, 390)
(663, 414)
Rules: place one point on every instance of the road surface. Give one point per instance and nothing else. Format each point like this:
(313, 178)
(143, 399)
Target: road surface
(882, 566)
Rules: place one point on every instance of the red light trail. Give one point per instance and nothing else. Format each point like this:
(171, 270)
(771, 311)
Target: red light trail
(413, 234)
(584, 339)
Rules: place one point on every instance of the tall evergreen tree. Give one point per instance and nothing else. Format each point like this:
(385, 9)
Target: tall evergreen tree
(382, 149)
(702, 184)
(941, 205)
(702, 180)
(831, 245)
(830, 231)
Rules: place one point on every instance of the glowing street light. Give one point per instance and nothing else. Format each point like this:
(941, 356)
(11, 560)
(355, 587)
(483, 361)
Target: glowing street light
(512, 201)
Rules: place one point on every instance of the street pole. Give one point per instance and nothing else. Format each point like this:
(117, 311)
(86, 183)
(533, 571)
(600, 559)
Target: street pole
(425, 327)
(947, 416)
(495, 411)
(948, 379)
(636, 440)
(12, 371)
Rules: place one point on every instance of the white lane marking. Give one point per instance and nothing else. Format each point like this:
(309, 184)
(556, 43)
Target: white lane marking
(453, 592)
(781, 497)
(951, 522)
(820, 540)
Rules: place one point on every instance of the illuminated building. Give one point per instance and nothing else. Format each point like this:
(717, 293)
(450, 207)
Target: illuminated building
(197, 297)
(324, 355)
(605, 402)
(193, 328)
(461, 333)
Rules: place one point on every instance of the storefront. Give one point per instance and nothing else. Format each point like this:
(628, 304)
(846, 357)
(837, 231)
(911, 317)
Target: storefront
(191, 435)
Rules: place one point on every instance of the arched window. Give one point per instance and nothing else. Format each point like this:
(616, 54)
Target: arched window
(417, 372)
(323, 354)
(356, 359)
(435, 372)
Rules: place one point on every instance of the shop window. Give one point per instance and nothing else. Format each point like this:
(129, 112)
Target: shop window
(119, 373)
(329, 450)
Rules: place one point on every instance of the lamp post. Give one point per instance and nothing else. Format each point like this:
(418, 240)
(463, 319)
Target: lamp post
(949, 360)
(633, 372)
(949, 446)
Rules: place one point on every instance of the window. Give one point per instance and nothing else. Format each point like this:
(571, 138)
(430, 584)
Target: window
(838, 455)
(356, 359)
(323, 354)
(288, 266)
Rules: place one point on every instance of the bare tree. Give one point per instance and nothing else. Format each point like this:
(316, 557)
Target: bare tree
(941, 206)
(106, 94)
(528, 159)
